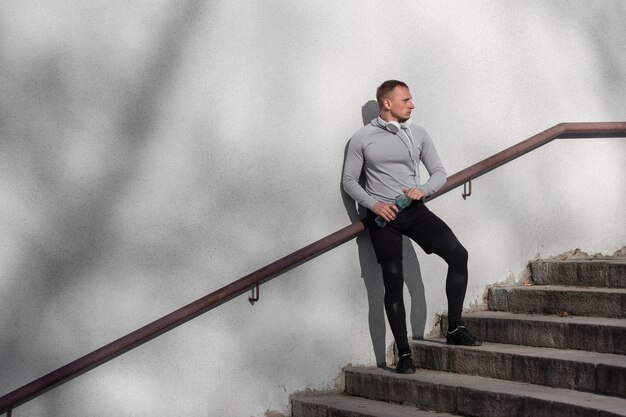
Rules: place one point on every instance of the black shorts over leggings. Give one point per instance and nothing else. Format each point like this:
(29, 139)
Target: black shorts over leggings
(418, 223)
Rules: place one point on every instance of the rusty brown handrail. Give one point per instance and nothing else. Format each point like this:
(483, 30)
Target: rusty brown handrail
(562, 131)
(206, 303)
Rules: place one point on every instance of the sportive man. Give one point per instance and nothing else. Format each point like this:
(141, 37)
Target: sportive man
(387, 152)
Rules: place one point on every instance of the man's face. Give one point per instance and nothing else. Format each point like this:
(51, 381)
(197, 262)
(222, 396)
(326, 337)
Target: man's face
(400, 104)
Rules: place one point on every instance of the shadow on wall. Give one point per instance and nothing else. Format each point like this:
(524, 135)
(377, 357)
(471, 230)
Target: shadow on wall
(80, 223)
(370, 271)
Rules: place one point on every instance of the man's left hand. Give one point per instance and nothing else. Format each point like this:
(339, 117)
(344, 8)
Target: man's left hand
(414, 193)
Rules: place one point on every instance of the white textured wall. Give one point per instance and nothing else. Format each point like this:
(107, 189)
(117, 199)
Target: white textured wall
(152, 152)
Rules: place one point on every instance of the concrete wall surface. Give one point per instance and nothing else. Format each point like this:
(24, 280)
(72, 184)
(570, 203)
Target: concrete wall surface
(154, 151)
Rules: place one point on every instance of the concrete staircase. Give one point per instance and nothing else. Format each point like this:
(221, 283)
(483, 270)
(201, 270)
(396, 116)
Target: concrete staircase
(555, 347)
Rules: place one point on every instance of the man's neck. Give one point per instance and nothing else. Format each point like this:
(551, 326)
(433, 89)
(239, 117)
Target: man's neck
(387, 117)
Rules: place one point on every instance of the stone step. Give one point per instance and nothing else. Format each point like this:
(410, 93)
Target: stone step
(339, 405)
(477, 396)
(602, 373)
(594, 334)
(609, 271)
(554, 299)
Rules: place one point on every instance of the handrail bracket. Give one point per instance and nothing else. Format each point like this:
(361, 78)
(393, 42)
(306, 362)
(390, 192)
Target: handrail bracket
(465, 186)
(255, 294)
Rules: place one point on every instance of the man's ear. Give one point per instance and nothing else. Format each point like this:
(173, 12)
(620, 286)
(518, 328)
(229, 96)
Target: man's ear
(387, 104)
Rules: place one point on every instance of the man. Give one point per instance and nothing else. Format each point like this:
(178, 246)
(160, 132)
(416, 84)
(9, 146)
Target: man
(388, 152)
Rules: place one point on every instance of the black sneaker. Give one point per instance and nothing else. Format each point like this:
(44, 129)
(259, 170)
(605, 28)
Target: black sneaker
(460, 336)
(405, 365)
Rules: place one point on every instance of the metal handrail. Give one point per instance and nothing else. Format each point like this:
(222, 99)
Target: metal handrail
(560, 131)
(250, 281)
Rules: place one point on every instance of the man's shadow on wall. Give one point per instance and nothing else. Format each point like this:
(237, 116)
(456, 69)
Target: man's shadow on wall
(372, 276)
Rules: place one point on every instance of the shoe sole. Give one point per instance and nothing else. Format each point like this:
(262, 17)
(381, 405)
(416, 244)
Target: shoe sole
(461, 344)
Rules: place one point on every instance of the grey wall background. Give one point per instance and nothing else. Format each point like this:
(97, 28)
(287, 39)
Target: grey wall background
(153, 151)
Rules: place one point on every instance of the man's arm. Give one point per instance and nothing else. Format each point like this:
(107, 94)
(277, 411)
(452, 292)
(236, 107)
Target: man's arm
(350, 181)
(437, 174)
(352, 172)
(432, 162)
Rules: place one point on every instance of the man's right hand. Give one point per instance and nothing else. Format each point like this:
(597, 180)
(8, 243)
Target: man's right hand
(387, 211)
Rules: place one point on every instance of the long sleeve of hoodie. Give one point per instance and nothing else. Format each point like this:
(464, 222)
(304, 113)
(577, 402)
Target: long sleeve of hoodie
(352, 170)
(389, 162)
(430, 158)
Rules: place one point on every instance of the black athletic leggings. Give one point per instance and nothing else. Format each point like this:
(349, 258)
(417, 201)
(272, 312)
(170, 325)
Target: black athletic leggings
(434, 236)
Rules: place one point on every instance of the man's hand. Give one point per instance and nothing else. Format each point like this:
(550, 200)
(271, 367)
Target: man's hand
(414, 193)
(387, 211)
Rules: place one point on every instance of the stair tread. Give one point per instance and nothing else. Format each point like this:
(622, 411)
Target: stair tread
(364, 407)
(613, 405)
(587, 271)
(588, 259)
(560, 288)
(584, 356)
(584, 320)
(555, 299)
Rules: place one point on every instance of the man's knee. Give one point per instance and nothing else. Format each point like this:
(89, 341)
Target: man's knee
(391, 267)
(392, 275)
(458, 257)
(461, 253)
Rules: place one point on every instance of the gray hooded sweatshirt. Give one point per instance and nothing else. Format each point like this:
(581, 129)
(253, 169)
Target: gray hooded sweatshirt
(390, 163)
